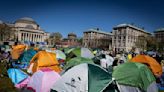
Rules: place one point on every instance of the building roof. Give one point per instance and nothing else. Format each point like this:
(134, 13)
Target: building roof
(25, 20)
(132, 26)
(159, 30)
(98, 31)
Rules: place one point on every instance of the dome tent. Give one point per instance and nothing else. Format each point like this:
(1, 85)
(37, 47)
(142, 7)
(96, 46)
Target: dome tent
(83, 78)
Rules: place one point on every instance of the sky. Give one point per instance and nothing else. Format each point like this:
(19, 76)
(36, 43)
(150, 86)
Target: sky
(77, 16)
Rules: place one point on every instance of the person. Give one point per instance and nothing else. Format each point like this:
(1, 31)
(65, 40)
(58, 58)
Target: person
(103, 61)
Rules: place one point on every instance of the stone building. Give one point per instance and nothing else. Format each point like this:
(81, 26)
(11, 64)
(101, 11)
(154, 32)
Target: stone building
(26, 29)
(159, 35)
(125, 37)
(96, 38)
(70, 41)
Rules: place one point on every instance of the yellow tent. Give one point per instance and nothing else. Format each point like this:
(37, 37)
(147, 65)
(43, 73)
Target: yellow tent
(44, 59)
(151, 62)
(17, 50)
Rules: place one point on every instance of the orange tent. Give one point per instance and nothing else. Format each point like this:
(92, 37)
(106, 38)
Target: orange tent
(44, 59)
(17, 50)
(151, 62)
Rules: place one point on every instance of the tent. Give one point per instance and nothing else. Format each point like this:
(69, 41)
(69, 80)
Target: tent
(44, 59)
(135, 75)
(68, 50)
(80, 52)
(16, 75)
(77, 60)
(17, 51)
(26, 57)
(151, 62)
(101, 56)
(151, 53)
(83, 78)
(59, 54)
(43, 80)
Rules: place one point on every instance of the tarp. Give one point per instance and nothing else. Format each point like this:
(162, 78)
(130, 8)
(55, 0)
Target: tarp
(151, 62)
(44, 59)
(43, 80)
(16, 75)
(83, 78)
(17, 51)
(80, 52)
(133, 74)
(77, 60)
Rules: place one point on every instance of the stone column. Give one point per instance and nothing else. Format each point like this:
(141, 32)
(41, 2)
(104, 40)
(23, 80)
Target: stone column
(32, 37)
(20, 37)
(29, 36)
(39, 38)
(25, 36)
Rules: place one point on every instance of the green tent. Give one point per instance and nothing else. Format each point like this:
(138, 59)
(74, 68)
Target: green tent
(133, 74)
(80, 52)
(83, 78)
(75, 61)
(68, 50)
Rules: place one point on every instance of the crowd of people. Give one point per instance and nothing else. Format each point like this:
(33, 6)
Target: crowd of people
(24, 57)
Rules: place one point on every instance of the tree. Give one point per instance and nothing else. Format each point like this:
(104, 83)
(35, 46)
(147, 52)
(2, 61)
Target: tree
(151, 43)
(141, 42)
(80, 41)
(6, 32)
(55, 38)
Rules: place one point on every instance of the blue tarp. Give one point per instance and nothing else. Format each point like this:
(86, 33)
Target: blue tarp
(16, 75)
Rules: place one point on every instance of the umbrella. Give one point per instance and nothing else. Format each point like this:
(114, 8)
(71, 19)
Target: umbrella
(151, 62)
(83, 78)
(77, 60)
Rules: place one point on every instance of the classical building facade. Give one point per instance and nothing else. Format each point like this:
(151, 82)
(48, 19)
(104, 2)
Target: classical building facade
(159, 35)
(96, 38)
(26, 29)
(125, 37)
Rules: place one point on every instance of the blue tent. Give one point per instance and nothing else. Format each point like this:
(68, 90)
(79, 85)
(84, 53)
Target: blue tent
(26, 56)
(16, 75)
(27, 42)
